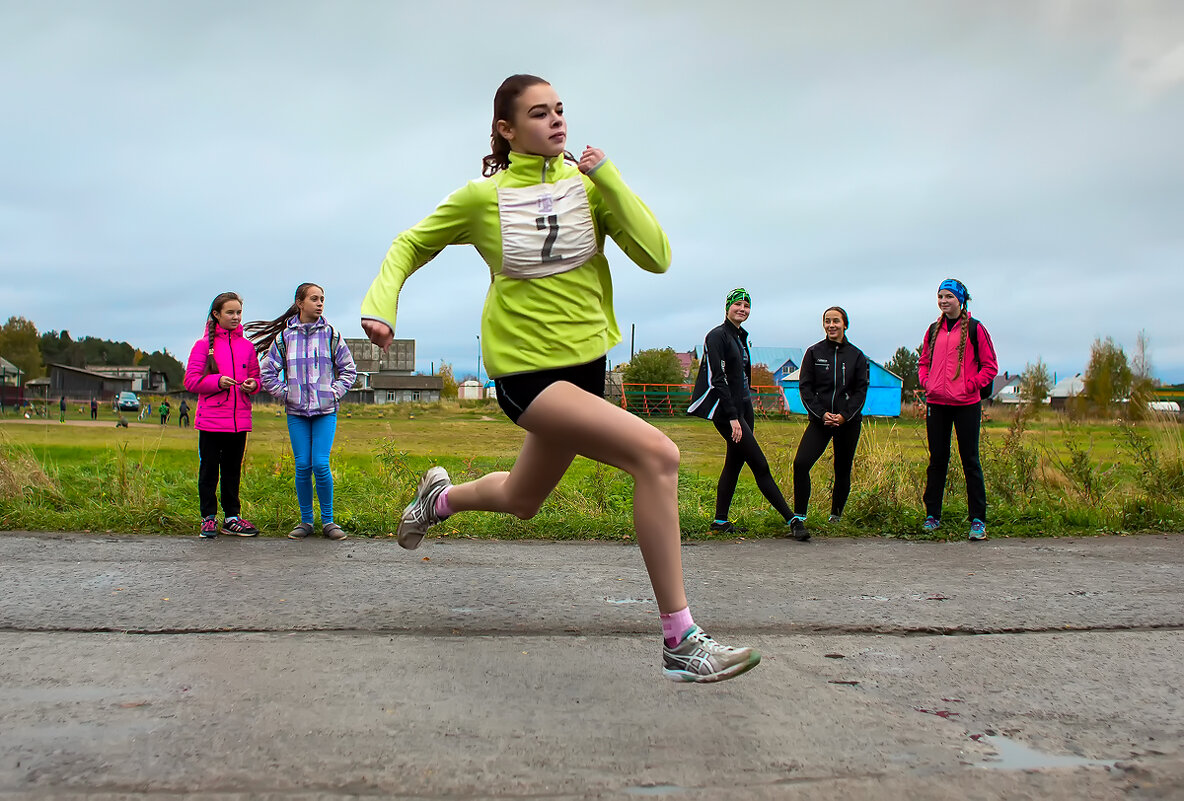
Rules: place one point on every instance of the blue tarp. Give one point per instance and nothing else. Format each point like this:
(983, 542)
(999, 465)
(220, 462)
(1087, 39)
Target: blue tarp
(883, 394)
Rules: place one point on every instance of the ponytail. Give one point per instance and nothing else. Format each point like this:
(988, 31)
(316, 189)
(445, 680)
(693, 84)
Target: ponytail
(263, 332)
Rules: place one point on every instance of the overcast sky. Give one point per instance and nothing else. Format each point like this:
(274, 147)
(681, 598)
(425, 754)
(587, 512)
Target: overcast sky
(153, 154)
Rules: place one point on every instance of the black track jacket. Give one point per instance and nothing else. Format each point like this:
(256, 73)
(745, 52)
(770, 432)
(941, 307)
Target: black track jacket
(725, 371)
(834, 378)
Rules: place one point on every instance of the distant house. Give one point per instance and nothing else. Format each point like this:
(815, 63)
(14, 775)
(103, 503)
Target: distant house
(144, 379)
(686, 360)
(883, 394)
(390, 388)
(469, 390)
(780, 361)
(1005, 389)
(1066, 388)
(78, 383)
(10, 384)
(389, 376)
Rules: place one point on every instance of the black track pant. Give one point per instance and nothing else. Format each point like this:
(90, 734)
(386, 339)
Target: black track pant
(220, 452)
(745, 452)
(939, 420)
(814, 440)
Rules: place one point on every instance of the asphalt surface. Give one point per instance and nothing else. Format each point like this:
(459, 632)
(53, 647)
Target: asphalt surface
(151, 667)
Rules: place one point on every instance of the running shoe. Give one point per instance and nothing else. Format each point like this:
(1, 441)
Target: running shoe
(333, 531)
(797, 529)
(209, 528)
(931, 523)
(834, 519)
(239, 527)
(701, 659)
(726, 527)
(420, 514)
(301, 531)
(978, 530)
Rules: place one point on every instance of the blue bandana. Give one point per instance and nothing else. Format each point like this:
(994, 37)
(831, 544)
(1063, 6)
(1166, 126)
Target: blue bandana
(957, 288)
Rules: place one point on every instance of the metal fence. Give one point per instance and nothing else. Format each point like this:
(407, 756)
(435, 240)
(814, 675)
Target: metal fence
(658, 400)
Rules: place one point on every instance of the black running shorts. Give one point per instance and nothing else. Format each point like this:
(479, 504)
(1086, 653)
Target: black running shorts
(516, 392)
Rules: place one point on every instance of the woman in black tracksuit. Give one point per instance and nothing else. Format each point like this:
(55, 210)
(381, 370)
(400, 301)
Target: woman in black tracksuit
(833, 382)
(722, 396)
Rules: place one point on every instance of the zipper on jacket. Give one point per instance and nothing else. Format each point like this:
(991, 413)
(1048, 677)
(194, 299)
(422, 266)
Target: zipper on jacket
(546, 164)
(834, 381)
(234, 375)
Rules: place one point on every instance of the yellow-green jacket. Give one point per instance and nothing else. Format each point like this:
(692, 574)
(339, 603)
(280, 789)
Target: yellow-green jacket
(540, 226)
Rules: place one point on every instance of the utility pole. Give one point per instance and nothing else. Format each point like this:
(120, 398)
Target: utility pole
(632, 337)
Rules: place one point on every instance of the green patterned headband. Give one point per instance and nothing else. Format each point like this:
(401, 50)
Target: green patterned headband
(738, 294)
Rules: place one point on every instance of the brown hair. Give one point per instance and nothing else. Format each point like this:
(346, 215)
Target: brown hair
(841, 311)
(964, 324)
(263, 332)
(212, 326)
(505, 104)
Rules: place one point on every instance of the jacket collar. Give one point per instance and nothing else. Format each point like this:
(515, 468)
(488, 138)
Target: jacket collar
(528, 165)
(220, 332)
(308, 328)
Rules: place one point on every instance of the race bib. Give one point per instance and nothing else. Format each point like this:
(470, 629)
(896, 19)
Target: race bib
(546, 229)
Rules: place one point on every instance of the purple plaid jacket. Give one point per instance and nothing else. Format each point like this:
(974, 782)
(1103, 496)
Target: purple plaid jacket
(307, 385)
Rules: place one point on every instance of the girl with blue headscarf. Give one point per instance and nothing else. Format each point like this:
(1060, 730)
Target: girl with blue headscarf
(957, 369)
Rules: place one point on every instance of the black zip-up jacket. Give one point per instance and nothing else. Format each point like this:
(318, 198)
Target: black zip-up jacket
(725, 372)
(834, 378)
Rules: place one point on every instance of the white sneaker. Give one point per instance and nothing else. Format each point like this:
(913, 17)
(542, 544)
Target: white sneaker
(420, 514)
(700, 658)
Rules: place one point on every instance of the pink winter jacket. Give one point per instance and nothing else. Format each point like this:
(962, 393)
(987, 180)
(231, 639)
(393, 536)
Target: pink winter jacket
(937, 373)
(226, 410)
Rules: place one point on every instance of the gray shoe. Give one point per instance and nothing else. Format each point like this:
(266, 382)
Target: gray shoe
(700, 658)
(835, 519)
(301, 531)
(420, 514)
(333, 531)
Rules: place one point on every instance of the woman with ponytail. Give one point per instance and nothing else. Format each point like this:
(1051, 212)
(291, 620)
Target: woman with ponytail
(539, 221)
(224, 373)
(957, 364)
(308, 367)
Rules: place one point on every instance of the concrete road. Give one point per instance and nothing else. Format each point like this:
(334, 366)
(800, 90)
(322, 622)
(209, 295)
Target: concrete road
(137, 667)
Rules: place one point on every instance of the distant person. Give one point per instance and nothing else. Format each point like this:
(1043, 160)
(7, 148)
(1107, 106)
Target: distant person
(183, 414)
(165, 411)
(121, 422)
(722, 395)
(540, 219)
(94, 408)
(957, 363)
(224, 373)
(62, 409)
(833, 383)
(308, 367)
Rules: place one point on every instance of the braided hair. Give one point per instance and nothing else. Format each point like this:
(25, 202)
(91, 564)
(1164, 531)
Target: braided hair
(212, 326)
(964, 334)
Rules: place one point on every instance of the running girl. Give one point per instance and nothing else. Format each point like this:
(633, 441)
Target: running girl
(957, 363)
(224, 373)
(833, 384)
(722, 396)
(309, 368)
(539, 222)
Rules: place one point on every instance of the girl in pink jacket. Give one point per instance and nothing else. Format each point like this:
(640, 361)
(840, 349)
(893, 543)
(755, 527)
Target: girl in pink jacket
(957, 368)
(224, 372)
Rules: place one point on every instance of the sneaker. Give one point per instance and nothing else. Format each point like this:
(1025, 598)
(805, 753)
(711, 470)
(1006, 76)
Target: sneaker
(798, 530)
(301, 531)
(835, 519)
(333, 531)
(978, 530)
(420, 514)
(209, 528)
(726, 527)
(700, 658)
(931, 523)
(239, 527)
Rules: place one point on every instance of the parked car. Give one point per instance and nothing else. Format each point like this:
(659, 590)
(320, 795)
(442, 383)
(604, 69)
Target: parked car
(127, 402)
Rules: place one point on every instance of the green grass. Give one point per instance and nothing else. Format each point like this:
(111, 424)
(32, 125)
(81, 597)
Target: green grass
(1044, 476)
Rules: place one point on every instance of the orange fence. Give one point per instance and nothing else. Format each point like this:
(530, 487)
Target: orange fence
(673, 399)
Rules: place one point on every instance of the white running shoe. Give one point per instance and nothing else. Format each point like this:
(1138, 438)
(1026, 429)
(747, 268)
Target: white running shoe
(700, 658)
(420, 514)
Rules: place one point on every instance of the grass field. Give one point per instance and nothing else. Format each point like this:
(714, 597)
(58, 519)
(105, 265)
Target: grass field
(1044, 476)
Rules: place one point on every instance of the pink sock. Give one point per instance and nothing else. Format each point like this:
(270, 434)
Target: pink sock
(676, 625)
(443, 510)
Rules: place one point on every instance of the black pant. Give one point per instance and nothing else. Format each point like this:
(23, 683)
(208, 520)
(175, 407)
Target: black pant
(220, 451)
(183, 420)
(938, 422)
(814, 439)
(746, 451)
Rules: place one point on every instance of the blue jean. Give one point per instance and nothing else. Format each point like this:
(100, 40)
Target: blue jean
(312, 439)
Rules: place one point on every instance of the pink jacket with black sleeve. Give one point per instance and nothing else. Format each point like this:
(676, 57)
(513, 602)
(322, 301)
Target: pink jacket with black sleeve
(224, 410)
(937, 369)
